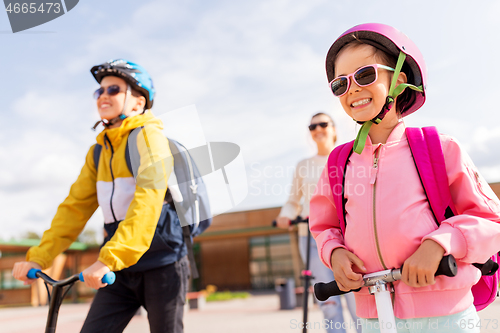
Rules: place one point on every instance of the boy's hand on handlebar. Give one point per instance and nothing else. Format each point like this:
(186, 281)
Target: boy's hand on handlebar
(420, 267)
(94, 274)
(20, 271)
(342, 266)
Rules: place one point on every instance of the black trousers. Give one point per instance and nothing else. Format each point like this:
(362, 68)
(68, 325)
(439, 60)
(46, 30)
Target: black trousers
(161, 291)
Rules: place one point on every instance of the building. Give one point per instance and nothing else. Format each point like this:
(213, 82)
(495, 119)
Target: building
(14, 292)
(243, 250)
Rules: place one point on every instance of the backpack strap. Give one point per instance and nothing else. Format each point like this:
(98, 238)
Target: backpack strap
(132, 156)
(133, 162)
(337, 164)
(186, 182)
(186, 231)
(427, 154)
(97, 155)
(127, 158)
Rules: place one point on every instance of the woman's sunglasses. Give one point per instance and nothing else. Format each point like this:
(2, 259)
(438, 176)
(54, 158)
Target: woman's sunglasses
(312, 127)
(363, 77)
(111, 90)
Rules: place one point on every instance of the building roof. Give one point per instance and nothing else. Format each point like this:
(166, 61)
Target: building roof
(24, 244)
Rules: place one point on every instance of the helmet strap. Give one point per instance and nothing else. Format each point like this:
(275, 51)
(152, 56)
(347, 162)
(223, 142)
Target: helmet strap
(359, 143)
(127, 95)
(394, 92)
(389, 102)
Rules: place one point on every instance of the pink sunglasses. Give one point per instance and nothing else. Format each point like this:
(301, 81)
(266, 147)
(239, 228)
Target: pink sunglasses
(363, 77)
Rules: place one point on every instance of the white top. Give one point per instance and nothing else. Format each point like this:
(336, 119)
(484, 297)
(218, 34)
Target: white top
(304, 183)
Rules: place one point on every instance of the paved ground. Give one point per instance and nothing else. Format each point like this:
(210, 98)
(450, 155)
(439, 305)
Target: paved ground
(257, 314)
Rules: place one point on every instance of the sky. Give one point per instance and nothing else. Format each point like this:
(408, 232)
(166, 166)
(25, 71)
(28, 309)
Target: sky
(252, 70)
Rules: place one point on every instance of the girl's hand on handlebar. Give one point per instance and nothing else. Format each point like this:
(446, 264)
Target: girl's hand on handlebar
(94, 274)
(342, 266)
(420, 267)
(21, 268)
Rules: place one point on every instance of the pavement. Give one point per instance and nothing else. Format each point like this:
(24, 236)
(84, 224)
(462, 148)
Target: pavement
(257, 314)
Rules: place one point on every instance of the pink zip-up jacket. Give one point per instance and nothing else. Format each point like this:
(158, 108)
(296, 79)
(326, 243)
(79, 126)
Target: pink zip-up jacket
(388, 217)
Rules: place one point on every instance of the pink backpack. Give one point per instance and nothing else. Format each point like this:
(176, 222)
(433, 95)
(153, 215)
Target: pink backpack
(425, 146)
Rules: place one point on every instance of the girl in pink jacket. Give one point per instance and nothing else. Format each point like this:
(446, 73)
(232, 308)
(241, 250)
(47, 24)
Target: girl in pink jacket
(379, 76)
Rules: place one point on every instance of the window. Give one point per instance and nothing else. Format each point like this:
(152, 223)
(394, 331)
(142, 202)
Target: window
(270, 258)
(7, 281)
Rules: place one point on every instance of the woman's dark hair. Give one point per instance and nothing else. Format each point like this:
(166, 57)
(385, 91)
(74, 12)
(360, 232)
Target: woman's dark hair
(136, 93)
(331, 120)
(407, 97)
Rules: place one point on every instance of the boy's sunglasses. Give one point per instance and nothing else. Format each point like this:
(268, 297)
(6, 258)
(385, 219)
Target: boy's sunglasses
(312, 127)
(111, 90)
(363, 77)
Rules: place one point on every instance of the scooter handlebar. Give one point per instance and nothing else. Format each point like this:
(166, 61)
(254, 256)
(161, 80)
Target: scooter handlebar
(108, 278)
(32, 273)
(323, 291)
(297, 220)
(447, 267)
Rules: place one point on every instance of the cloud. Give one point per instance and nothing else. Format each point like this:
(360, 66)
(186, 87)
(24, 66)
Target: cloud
(41, 158)
(485, 152)
(43, 151)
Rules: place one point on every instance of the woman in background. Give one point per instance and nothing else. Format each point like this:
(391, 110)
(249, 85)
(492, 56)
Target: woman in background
(306, 176)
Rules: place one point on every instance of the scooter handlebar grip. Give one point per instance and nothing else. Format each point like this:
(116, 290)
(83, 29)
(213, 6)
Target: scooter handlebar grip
(108, 278)
(275, 224)
(32, 273)
(324, 290)
(447, 266)
(293, 222)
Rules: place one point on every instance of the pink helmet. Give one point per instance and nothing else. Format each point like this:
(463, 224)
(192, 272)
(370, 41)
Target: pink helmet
(391, 41)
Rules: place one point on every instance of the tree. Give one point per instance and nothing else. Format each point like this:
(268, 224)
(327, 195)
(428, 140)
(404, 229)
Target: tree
(31, 235)
(89, 237)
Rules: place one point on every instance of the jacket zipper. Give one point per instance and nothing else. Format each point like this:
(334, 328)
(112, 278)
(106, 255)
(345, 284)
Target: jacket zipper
(112, 177)
(373, 181)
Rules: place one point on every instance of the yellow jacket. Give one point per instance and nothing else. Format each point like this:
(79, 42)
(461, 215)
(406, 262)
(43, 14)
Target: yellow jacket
(137, 203)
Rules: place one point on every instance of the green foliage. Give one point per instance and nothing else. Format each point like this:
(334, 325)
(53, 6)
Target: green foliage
(88, 237)
(31, 235)
(226, 295)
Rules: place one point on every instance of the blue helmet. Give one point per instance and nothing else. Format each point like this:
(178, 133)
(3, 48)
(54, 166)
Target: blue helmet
(132, 73)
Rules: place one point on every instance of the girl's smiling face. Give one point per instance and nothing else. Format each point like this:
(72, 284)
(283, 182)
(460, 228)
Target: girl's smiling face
(110, 107)
(362, 103)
